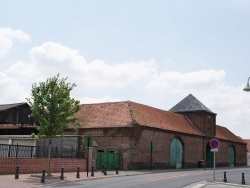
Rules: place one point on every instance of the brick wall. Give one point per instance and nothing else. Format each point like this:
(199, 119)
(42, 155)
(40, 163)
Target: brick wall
(204, 122)
(240, 153)
(140, 156)
(194, 150)
(36, 165)
(133, 144)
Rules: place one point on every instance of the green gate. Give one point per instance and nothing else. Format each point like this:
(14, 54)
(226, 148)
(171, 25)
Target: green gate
(231, 156)
(176, 154)
(209, 157)
(108, 158)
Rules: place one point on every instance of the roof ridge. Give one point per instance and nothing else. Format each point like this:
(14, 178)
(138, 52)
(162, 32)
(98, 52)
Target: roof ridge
(194, 126)
(98, 103)
(131, 113)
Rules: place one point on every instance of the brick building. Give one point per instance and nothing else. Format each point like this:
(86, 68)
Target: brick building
(137, 136)
(248, 151)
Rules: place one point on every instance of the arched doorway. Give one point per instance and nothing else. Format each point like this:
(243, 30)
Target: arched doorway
(231, 156)
(209, 156)
(176, 153)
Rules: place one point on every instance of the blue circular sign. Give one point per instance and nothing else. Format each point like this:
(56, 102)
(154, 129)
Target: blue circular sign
(214, 143)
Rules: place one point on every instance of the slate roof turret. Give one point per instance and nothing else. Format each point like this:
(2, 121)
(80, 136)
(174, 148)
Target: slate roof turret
(190, 104)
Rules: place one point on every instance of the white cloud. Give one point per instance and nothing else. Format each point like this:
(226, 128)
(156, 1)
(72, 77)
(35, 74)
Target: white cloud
(100, 74)
(52, 58)
(11, 90)
(230, 103)
(7, 37)
(177, 81)
(55, 52)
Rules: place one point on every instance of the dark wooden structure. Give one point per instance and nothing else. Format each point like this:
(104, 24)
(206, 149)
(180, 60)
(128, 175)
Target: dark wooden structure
(15, 119)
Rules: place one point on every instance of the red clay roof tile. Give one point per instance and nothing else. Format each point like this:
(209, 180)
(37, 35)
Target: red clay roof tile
(100, 115)
(224, 133)
(125, 114)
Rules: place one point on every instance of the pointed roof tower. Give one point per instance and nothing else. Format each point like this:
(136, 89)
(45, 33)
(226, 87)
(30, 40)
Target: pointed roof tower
(198, 114)
(190, 104)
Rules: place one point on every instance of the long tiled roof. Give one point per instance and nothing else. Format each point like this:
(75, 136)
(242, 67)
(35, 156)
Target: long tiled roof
(127, 114)
(8, 106)
(153, 117)
(225, 134)
(100, 115)
(190, 104)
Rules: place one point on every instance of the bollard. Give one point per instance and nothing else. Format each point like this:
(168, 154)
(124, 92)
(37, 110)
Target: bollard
(116, 169)
(103, 167)
(225, 177)
(243, 179)
(17, 172)
(78, 172)
(62, 176)
(105, 170)
(43, 177)
(92, 172)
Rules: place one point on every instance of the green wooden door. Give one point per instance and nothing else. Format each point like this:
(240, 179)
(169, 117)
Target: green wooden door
(176, 153)
(231, 155)
(109, 158)
(209, 157)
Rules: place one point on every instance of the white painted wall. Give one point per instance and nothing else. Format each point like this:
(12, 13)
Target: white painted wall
(4, 141)
(23, 142)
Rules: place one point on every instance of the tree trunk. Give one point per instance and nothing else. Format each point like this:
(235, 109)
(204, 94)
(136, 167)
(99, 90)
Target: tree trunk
(49, 150)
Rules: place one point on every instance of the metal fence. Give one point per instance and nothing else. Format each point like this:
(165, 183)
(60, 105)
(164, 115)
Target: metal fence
(20, 151)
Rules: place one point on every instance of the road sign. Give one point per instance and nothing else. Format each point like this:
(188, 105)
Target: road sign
(214, 150)
(214, 143)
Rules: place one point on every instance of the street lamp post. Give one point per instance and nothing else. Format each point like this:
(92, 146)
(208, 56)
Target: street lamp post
(247, 87)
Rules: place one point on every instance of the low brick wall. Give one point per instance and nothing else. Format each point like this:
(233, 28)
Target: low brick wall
(36, 165)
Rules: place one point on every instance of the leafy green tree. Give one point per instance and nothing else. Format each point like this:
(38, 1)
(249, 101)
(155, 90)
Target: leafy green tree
(53, 109)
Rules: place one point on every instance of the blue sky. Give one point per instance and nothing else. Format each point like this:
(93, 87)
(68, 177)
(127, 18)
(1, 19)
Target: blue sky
(150, 52)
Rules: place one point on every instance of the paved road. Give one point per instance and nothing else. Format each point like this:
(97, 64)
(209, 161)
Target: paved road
(196, 178)
(175, 179)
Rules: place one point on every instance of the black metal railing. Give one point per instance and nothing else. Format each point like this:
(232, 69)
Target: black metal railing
(20, 151)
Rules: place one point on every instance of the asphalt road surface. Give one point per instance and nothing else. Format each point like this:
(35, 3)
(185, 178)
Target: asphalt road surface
(175, 179)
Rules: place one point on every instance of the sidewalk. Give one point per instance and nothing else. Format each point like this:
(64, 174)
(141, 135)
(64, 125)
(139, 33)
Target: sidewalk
(207, 184)
(34, 180)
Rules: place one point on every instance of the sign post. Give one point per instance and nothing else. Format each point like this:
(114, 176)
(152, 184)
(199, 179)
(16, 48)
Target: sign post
(214, 151)
(214, 144)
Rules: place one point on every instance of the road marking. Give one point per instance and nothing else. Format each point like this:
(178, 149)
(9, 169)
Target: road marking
(169, 176)
(199, 185)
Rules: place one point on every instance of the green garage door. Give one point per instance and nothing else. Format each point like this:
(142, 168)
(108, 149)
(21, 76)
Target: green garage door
(176, 153)
(108, 158)
(231, 156)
